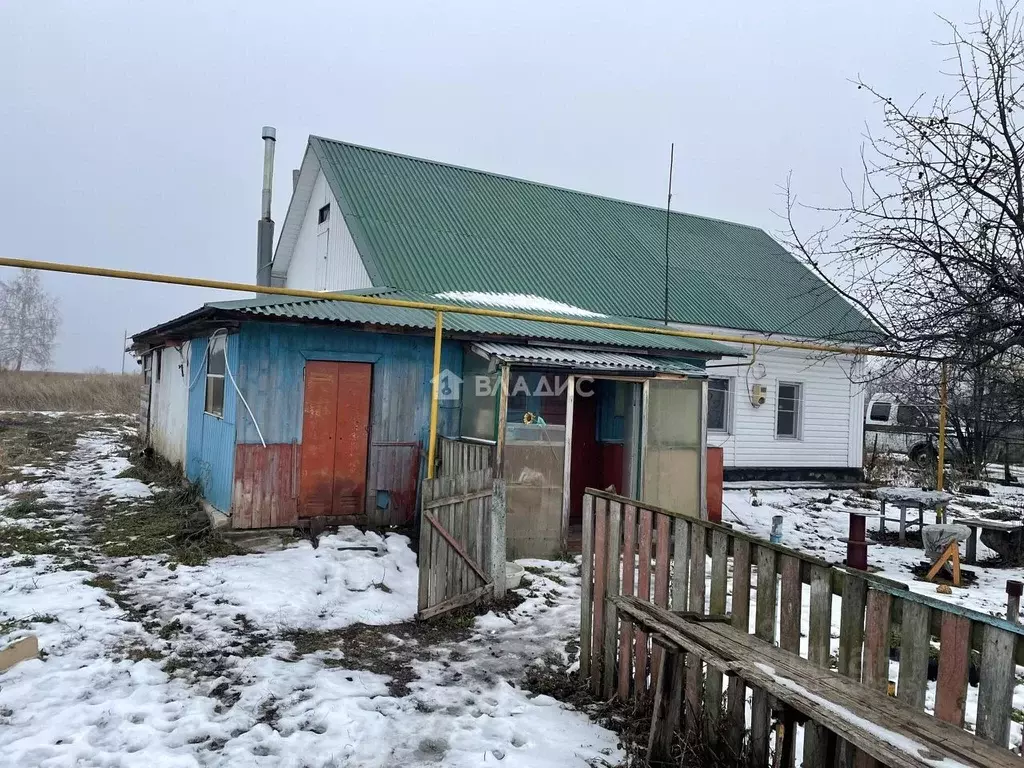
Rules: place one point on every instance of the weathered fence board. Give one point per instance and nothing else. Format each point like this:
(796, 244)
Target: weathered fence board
(819, 653)
(741, 620)
(640, 640)
(764, 629)
(457, 457)
(628, 582)
(461, 561)
(954, 657)
(871, 612)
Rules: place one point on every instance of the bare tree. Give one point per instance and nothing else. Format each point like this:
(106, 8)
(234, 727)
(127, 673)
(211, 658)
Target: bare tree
(931, 243)
(986, 407)
(29, 319)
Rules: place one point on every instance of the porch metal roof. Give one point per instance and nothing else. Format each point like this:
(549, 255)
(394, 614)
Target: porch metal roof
(588, 361)
(328, 311)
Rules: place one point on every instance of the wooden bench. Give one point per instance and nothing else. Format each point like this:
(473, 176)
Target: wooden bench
(977, 526)
(878, 725)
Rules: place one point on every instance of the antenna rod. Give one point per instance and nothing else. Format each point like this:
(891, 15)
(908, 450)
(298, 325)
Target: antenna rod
(668, 220)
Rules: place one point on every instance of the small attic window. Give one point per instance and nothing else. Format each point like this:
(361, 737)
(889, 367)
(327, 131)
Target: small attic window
(324, 214)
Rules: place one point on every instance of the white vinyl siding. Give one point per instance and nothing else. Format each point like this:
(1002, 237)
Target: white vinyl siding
(832, 422)
(325, 257)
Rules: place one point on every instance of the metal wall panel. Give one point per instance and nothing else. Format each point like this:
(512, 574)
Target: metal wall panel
(211, 440)
(270, 374)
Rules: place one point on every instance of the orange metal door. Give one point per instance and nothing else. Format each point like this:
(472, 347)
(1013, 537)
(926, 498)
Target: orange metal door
(353, 436)
(335, 420)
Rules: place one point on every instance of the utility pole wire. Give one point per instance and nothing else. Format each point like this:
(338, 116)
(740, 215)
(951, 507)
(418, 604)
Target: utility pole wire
(668, 219)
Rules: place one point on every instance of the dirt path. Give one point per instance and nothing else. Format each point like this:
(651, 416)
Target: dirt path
(300, 657)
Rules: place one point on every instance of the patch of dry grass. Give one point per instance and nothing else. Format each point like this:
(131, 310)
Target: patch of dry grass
(48, 391)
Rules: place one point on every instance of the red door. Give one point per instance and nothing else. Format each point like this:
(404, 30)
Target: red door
(335, 436)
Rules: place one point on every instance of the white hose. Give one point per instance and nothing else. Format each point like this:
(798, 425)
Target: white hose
(227, 367)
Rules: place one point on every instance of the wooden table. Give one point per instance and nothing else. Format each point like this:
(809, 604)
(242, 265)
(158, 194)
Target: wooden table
(881, 726)
(977, 526)
(904, 498)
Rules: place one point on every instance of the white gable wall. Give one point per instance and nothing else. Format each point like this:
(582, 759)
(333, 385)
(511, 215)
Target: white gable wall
(325, 257)
(832, 419)
(168, 404)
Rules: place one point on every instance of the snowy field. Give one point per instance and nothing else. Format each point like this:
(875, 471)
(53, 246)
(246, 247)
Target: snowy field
(260, 659)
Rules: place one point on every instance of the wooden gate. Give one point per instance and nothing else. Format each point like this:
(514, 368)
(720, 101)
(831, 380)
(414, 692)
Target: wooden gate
(462, 542)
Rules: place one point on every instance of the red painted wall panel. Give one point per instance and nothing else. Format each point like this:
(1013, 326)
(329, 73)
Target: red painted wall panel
(265, 486)
(714, 489)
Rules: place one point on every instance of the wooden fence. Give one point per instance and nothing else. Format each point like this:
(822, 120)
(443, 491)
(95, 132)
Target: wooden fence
(630, 548)
(454, 457)
(462, 542)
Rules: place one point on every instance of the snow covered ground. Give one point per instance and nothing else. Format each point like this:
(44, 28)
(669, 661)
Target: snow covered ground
(815, 521)
(260, 659)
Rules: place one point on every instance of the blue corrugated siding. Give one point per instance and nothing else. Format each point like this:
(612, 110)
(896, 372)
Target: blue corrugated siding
(210, 454)
(272, 362)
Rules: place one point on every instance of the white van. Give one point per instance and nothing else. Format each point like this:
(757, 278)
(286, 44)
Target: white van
(895, 426)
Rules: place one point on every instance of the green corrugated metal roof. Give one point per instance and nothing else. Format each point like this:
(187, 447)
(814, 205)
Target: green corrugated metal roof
(429, 227)
(325, 310)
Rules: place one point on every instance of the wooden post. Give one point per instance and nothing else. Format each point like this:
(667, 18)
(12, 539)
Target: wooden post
(972, 549)
(587, 587)
(995, 687)
(600, 590)
(915, 650)
(435, 384)
(1013, 593)
(668, 695)
(856, 543)
(628, 589)
(497, 545)
(819, 653)
(851, 642)
(954, 657)
(499, 448)
(611, 620)
(741, 620)
(764, 622)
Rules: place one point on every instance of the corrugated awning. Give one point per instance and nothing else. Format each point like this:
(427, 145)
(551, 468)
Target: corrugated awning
(586, 360)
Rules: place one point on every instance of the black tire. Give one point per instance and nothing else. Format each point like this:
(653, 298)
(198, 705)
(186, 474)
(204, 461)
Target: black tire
(924, 456)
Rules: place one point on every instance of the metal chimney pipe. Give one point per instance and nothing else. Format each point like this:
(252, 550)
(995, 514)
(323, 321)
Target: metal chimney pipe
(265, 228)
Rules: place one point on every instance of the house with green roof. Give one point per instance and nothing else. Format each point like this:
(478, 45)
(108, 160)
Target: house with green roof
(290, 410)
(363, 218)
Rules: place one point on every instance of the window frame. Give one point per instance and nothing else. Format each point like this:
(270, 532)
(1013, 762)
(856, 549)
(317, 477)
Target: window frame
(919, 420)
(798, 410)
(147, 367)
(888, 413)
(323, 215)
(727, 415)
(218, 343)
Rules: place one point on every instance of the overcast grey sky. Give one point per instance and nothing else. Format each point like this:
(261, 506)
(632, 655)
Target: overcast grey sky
(130, 132)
